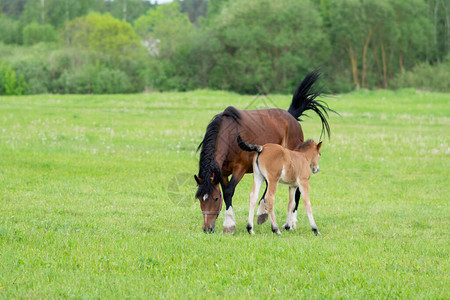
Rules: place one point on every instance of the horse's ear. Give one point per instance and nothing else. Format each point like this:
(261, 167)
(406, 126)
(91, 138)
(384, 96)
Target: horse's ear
(199, 180)
(212, 178)
(319, 145)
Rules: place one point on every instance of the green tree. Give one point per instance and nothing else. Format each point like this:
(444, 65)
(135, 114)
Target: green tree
(58, 12)
(270, 53)
(166, 31)
(102, 34)
(10, 30)
(415, 33)
(34, 33)
(11, 85)
(195, 9)
(127, 10)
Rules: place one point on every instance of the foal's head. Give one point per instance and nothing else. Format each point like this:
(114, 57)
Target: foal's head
(312, 151)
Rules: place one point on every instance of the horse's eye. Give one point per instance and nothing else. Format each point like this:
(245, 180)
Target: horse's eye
(216, 199)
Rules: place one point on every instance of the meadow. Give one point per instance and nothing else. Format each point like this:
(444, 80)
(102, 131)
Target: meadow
(97, 201)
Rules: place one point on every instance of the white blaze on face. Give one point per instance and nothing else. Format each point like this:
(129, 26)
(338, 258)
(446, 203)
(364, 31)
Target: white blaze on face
(205, 197)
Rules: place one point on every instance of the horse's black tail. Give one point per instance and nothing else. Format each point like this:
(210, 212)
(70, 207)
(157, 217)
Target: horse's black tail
(247, 146)
(304, 99)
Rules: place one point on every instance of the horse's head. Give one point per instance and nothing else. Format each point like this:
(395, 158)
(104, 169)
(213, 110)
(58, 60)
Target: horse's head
(315, 157)
(210, 198)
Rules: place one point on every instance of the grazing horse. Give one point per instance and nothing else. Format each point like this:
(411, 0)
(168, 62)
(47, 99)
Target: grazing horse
(220, 155)
(274, 164)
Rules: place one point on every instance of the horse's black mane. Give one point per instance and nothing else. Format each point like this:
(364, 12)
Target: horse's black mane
(305, 99)
(207, 165)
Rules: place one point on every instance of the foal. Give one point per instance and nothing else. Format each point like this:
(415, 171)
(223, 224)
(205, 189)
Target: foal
(274, 164)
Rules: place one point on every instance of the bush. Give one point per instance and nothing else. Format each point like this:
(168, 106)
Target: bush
(10, 31)
(93, 79)
(425, 76)
(34, 33)
(9, 83)
(109, 81)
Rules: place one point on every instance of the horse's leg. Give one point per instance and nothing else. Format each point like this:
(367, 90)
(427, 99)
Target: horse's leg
(229, 224)
(304, 189)
(258, 179)
(272, 189)
(291, 215)
(262, 211)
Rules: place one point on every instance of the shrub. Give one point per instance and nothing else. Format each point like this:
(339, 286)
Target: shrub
(10, 31)
(93, 79)
(108, 81)
(35, 33)
(426, 76)
(9, 83)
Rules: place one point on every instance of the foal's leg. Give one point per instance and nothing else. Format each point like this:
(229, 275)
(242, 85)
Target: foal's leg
(258, 179)
(262, 211)
(304, 189)
(272, 189)
(291, 212)
(229, 224)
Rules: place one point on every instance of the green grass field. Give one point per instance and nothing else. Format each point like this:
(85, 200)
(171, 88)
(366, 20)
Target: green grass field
(97, 201)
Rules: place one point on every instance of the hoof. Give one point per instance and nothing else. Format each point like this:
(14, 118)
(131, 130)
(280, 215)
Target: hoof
(229, 230)
(276, 230)
(316, 231)
(250, 229)
(288, 227)
(262, 218)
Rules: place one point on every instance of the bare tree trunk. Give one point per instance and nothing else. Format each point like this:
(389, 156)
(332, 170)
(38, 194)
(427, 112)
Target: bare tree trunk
(436, 7)
(67, 10)
(354, 66)
(124, 16)
(400, 61)
(43, 10)
(383, 58)
(364, 70)
(447, 21)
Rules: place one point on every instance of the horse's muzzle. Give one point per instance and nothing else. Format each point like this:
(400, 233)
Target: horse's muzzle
(208, 229)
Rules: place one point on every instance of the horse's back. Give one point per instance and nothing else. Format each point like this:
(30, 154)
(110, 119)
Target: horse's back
(260, 127)
(271, 126)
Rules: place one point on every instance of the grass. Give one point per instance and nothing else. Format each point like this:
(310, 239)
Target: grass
(96, 201)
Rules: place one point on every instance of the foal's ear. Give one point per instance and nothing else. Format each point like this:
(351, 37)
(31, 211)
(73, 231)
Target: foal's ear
(319, 145)
(198, 180)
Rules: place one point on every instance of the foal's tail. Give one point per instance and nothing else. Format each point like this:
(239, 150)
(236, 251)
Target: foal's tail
(250, 148)
(247, 146)
(304, 99)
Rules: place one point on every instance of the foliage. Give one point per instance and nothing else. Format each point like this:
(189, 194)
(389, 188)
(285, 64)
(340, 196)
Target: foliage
(89, 207)
(245, 46)
(427, 77)
(102, 34)
(9, 83)
(10, 30)
(167, 33)
(34, 33)
(271, 53)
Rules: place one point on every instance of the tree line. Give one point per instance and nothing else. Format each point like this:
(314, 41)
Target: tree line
(246, 46)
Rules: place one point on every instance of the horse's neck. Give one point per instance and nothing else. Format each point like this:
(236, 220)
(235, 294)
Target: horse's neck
(306, 153)
(221, 150)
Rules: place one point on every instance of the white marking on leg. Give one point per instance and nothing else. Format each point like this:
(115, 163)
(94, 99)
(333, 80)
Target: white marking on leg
(290, 209)
(229, 222)
(257, 182)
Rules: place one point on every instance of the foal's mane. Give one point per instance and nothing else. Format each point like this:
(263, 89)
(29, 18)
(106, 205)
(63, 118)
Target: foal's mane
(305, 145)
(207, 165)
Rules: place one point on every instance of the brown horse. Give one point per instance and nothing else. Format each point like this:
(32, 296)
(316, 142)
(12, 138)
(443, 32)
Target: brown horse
(221, 156)
(274, 164)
